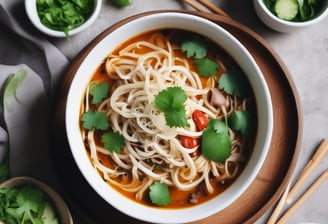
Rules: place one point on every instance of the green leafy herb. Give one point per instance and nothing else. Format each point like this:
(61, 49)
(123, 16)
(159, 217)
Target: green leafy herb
(121, 3)
(195, 46)
(242, 121)
(206, 67)
(234, 81)
(113, 141)
(159, 194)
(25, 204)
(93, 119)
(216, 142)
(10, 87)
(171, 102)
(98, 91)
(64, 15)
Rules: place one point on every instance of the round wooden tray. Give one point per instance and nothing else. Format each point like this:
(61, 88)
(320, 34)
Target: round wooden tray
(265, 189)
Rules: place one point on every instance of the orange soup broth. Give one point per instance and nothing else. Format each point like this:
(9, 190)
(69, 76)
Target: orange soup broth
(179, 198)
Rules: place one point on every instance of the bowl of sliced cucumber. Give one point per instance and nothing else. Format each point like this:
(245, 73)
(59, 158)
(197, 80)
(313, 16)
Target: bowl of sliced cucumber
(290, 15)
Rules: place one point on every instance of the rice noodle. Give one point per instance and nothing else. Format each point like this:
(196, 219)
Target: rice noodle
(138, 76)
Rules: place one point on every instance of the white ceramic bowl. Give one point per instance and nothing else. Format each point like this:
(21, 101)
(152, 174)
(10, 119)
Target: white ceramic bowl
(63, 212)
(31, 11)
(235, 49)
(284, 26)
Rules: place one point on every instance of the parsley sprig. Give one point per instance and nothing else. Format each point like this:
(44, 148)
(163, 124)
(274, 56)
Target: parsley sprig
(64, 15)
(113, 141)
(195, 47)
(159, 194)
(172, 102)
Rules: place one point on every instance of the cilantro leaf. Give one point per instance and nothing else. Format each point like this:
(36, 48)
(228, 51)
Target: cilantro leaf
(176, 118)
(216, 142)
(98, 91)
(242, 121)
(194, 46)
(113, 141)
(64, 15)
(159, 194)
(234, 81)
(217, 125)
(171, 101)
(93, 119)
(206, 67)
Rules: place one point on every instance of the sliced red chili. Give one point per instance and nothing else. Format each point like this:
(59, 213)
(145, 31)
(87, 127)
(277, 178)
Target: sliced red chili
(200, 119)
(189, 142)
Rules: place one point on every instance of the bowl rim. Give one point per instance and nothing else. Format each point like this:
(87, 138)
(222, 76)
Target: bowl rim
(323, 13)
(159, 215)
(31, 11)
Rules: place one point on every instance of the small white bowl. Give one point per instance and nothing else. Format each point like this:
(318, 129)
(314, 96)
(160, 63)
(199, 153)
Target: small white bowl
(63, 213)
(31, 10)
(284, 26)
(233, 47)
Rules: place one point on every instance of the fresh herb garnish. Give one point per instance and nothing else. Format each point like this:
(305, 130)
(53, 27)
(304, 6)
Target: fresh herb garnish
(196, 47)
(206, 67)
(93, 119)
(25, 204)
(98, 91)
(216, 142)
(64, 15)
(242, 121)
(234, 82)
(113, 141)
(171, 102)
(159, 194)
(121, 3)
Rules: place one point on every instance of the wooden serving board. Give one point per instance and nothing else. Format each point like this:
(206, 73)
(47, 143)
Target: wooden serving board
(88, 207)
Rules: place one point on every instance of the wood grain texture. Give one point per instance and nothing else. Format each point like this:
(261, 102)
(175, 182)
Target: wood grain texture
(275, 174)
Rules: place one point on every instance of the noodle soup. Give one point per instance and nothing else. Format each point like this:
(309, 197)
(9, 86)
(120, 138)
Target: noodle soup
(169, 119)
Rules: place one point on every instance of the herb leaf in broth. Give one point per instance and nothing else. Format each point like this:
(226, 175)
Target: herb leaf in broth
(113, 141)
(98, 91)
(233, 82)
(93, 119)
(159, 194)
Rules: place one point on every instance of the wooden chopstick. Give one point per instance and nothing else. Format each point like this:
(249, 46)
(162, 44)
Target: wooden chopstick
(276, 212)
(305, 196)
(288, 195)
(213, 7)
(205, 3)
(320, 153)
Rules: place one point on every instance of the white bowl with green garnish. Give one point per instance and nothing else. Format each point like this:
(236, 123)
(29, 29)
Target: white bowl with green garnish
(62, 18)
(290, 15)
(147, 135)
(34, 199)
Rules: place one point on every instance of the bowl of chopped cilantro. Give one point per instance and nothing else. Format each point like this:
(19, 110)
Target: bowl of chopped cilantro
(62, 18)
(27, 200)
(290, 15)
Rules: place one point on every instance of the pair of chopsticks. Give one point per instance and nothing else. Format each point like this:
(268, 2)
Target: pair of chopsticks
(288, 196)
(200, 5)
